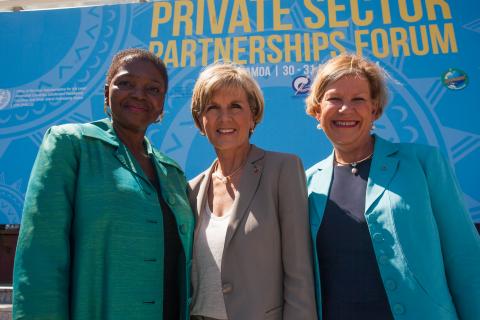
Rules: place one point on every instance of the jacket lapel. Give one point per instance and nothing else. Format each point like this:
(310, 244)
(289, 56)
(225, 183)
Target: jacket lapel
(383, 168)
(318, 189)
(101, 130)
(129, 162)
(247, 188)
(203, 189)
(104, 131)
(174, 194)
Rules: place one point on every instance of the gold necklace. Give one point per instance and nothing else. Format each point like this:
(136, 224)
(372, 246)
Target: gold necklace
(227, 179)
(354, 164)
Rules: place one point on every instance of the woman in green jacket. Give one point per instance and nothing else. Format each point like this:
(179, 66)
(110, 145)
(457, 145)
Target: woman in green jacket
(107, 229)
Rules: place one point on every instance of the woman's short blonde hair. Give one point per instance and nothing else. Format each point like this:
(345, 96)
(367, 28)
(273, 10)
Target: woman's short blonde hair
(348, 65)
(221, 75)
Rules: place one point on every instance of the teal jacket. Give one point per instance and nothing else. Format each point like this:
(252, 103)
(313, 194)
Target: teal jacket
(426, 246)
(91, 239)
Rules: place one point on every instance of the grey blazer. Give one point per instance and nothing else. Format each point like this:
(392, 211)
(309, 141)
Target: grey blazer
(267, 264)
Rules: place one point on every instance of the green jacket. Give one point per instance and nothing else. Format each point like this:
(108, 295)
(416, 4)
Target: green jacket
(91, 239)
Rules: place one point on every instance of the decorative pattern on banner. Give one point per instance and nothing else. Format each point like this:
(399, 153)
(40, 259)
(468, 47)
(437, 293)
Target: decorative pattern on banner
(54, 66)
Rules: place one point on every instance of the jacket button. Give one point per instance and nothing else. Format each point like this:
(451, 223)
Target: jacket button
(227, 288)
(398, 309)
(390, 285)
(378, 237)
(171, 200)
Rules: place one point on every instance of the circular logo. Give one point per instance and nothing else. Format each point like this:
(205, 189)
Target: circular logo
(4, 98)
(455, 79)
(301, 85)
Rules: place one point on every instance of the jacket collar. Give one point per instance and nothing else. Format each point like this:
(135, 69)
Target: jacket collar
(319, 174)
(246, 190)
(103, 130)
(318, 181)
(203, 188)
(382, 170)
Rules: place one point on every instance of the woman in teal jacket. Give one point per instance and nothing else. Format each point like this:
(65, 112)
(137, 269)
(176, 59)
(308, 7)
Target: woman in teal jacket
(107, 229)
(392, 237)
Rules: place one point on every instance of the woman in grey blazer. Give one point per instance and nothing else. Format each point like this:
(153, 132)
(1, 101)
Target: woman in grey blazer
(251, 255)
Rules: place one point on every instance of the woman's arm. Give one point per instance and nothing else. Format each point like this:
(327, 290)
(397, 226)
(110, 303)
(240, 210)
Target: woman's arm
(459, 238)
(42, 261)
(298, 283)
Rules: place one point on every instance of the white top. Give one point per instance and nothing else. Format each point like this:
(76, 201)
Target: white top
(206, 266)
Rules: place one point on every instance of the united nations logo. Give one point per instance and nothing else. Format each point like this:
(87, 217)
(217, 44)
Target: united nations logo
(5, 97)
(90, 41)
(301, 85)
(455, 79)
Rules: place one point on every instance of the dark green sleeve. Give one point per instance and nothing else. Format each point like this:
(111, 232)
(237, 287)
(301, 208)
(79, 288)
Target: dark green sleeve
(42, 261)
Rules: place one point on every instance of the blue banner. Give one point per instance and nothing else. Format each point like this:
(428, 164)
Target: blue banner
(53, 65)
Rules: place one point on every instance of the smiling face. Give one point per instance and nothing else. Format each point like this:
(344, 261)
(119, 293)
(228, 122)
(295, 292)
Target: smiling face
(136, 95)
(347, 112)
(227, 120)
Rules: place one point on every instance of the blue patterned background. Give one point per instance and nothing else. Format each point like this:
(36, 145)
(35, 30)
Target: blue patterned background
(64, 54)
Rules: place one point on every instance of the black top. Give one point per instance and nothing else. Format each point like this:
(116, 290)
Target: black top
(172, 251)
(351, 284)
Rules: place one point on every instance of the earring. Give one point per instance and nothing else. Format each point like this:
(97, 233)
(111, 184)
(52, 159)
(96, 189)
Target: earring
(318, 117)
(159, 118)
(251, 130)
(373, 126)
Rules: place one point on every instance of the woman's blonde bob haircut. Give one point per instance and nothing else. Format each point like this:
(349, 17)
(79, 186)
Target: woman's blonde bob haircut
(348, 65)
(221, 75)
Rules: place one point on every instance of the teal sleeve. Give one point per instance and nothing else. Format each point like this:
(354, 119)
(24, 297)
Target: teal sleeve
(459, 239)
(42, 261)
